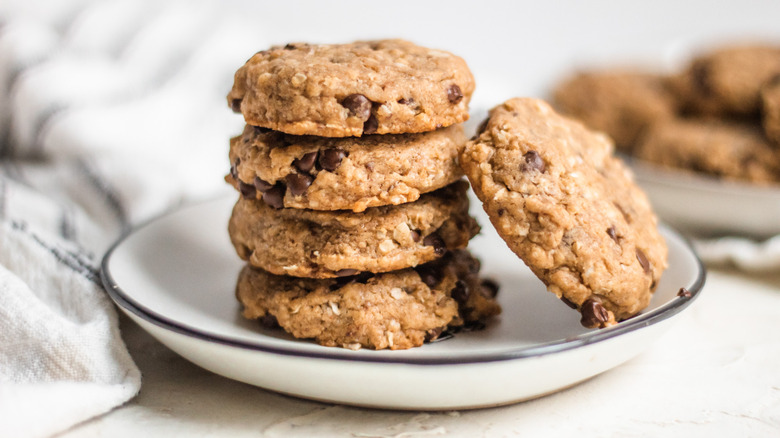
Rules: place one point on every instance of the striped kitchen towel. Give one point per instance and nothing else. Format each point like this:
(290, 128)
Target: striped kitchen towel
(110, 112)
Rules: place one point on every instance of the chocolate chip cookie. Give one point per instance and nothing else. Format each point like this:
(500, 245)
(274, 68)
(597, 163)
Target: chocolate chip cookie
(621, 103)
(367, 87)
(568, 208)
(325, 244)
(395, 310)
(728, 150)
(343, 173)
(770, 97)
(728, 80)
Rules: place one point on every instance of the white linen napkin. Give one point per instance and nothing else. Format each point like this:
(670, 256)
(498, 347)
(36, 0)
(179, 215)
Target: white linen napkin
(111, 112)
(743, 253)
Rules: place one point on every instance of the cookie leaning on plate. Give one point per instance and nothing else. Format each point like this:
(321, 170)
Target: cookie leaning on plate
(341, 90)
(326, 244)
(351, 173)
(396, 310)
(568, 208)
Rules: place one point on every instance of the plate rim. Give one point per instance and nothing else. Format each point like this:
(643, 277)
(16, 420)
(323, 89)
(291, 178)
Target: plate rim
(655, 316)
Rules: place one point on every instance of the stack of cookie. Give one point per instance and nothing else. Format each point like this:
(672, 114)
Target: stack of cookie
(706, 118)
(352, 217)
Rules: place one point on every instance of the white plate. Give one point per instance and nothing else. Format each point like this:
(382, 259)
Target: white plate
(707, 206)
(175, 277)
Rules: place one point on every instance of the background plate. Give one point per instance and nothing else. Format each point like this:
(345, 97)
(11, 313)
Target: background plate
(175, 276)
(708, 206)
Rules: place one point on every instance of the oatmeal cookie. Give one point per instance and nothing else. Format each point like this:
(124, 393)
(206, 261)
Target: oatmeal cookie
(728, 150)
(341, 90)
(325, 244)
(350, 173)
(395, 310)
(568, 208)
(620, 103)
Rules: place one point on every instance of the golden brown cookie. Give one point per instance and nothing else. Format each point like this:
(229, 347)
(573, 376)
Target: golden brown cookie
(728, 150)
(395, 310)
(326, 244)
(728, 80)
(620, 103)
(343, 173)
(568, 208)
(341, 90)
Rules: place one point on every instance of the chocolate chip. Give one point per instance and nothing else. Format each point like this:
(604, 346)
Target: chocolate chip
(416, 236)
(482, 126)
(568, 302)
(405, 101)
(433, 334)
(346, 272)
(612, 233)
(439, 248)
(454, 94)
(275, 196)
(261, 130)
(330, 159)
(306, 162)
(234, 172)
(268, 321)
(533, 162)
(684, 293)
(594, 314)
(247, 190)
(622, 211)
(261, 185)
(474, 265)
(235, 105)
(358, 106)
(347, 278)
(371, 125)
(460, 292)
(363, 277)
(339, 283)
(428, 276)
(298, 183)
(501, 212)
(642, 258)
(490, 287)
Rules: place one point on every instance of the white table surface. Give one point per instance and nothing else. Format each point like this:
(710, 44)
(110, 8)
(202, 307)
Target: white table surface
(715, 373)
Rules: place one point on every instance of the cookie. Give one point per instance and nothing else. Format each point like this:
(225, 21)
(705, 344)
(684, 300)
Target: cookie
(395, 310)
(620, 103)
(568, 208)
(770, 97)
(728, 80)
(728, 150)
(325, 244)
(343, 90)
(343, 173)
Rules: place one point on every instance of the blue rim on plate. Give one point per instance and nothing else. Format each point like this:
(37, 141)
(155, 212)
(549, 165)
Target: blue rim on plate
(657, 315)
